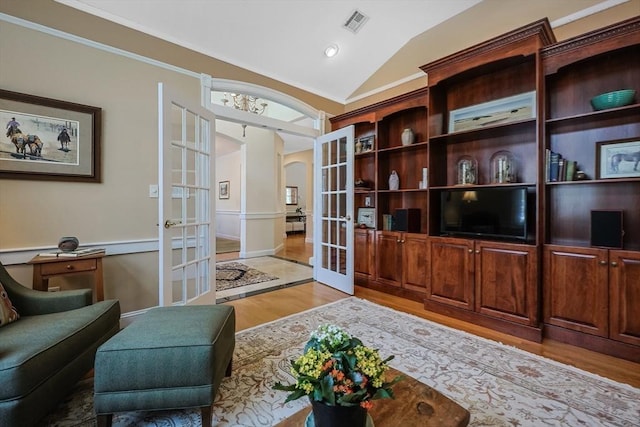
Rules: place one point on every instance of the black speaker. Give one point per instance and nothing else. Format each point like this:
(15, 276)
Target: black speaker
(606, 229)
(407, 220)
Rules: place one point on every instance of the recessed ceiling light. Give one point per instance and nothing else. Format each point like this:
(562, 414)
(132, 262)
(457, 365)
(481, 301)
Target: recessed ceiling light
(331, 50)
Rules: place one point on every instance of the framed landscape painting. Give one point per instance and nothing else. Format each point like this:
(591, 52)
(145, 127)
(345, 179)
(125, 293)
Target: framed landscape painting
(493, 113)
(48, 139)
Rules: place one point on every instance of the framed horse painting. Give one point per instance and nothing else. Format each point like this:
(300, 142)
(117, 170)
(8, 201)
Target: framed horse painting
(619, 158)
(48, 139)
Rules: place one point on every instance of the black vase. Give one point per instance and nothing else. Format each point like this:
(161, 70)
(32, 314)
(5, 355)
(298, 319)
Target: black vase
(338, 416)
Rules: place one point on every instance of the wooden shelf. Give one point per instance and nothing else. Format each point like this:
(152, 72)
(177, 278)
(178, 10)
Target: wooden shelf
(471, 187)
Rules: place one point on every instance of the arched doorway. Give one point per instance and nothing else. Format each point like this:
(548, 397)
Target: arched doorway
(264, 140)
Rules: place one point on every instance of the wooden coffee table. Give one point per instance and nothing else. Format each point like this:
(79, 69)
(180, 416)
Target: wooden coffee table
(416, 404)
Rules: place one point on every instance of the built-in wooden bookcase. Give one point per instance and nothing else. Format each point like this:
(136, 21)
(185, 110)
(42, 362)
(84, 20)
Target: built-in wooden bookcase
(483, 101)
(591, 293)
(385, 122)
(500, 68)
(556, 284)
(576, 71)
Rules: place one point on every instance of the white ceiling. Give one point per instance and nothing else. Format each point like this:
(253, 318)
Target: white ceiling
(285, 39)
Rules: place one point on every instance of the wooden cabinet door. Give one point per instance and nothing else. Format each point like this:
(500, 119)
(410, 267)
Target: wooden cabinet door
(506, 278)
(576, 290)
(389, 259)
(451, 279)
(415, 262)
(624, 285)
(363, 251)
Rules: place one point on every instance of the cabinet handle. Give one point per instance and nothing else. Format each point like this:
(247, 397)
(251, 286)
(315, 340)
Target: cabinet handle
(603, 262)
(397, 241)
(614, 264)
(470, 251)
(402, 241)
(69, 267)
(477, 251)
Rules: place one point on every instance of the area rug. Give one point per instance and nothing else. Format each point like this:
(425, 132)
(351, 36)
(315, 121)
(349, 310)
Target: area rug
(231, 275)
(286, 273)
(498, 384)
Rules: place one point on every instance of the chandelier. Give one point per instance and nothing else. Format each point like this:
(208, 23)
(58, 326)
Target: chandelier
(245, 103)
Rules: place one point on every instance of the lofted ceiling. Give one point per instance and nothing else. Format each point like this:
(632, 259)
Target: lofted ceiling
(286, 39)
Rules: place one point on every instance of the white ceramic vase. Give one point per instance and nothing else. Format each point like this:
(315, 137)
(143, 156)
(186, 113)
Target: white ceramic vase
(394, 181)
(407, 136)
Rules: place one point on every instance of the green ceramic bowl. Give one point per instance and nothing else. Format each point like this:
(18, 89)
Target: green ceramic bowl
(618, 98)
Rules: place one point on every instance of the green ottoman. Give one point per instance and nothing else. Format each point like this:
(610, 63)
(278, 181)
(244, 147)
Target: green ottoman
(170, 358)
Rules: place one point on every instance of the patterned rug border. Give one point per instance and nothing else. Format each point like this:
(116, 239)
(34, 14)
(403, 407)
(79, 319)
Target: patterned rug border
(507, 346)
(454, 331)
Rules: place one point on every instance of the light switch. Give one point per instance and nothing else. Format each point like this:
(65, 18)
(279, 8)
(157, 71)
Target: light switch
(153, 191)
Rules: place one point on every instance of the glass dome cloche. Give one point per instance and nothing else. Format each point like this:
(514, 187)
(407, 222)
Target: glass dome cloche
(467, 171)
(503, 168)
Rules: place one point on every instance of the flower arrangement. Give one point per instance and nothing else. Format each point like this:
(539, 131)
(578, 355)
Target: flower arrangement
(338, 370)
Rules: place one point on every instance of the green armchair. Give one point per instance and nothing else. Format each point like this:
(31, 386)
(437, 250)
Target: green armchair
(49, 348)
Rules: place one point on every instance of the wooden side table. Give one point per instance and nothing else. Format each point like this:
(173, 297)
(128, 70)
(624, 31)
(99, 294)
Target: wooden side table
(45, 268)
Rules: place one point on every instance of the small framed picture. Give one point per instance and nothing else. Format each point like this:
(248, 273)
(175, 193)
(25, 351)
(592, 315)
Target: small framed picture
(367, 216)
(619, 158)
(223, 190)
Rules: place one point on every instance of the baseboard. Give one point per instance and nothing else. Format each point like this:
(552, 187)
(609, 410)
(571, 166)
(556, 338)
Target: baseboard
(593, 343)
(526, 332)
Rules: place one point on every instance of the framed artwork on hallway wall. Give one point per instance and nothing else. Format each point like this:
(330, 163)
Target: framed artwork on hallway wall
(49, 139)
(223, 190)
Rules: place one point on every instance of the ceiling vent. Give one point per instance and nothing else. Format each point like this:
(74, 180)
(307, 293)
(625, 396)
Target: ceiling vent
(355, 21)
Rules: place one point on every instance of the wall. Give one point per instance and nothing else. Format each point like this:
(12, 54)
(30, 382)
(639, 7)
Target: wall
(261, 222)
(35, 214)
(229, 168)
(306, 158)
(296, 176)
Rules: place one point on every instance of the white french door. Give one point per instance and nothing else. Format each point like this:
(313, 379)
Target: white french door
(186, 203)
(333, 224)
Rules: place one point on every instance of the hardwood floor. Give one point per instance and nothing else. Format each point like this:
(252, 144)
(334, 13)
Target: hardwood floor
(270, 306)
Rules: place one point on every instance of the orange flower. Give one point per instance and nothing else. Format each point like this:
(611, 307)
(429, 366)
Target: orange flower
(367, 404)
(339, 375)
(327, 364)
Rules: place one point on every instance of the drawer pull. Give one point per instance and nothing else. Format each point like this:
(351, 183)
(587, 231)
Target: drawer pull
(69, 267)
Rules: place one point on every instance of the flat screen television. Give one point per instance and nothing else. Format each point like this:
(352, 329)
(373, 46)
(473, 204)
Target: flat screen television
(493, 212)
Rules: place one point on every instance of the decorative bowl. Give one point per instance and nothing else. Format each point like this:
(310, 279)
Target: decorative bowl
(618, 98)
(68, 244)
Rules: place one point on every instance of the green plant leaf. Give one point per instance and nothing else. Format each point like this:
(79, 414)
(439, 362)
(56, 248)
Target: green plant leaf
(280, 386)
(326, 385)
(295, 395)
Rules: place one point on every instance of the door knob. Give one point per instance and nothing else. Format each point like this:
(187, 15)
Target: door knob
(346, 218)
(168, 223)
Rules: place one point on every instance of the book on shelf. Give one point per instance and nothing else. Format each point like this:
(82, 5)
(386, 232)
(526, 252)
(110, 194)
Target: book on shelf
(80, 252)
(554, 165)
(571, 170)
